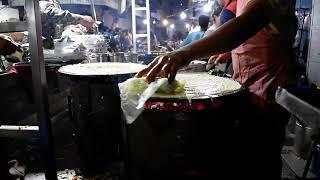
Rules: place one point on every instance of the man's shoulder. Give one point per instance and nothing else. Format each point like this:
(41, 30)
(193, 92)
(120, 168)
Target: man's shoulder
(232, 6)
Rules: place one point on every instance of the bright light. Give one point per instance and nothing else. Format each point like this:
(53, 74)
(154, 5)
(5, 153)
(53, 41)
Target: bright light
(187, 26)
(183, 15)
(165, 22)
(154, 22)
(145, 21)
(172, 26)
(207, 8)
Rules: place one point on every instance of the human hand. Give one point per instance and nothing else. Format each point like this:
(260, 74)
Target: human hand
(87, 21)
(16, 36)
(8, 45)
(218, 59)
(165, 66)
(78, 29)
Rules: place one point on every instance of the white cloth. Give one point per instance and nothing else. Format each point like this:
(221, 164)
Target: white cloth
(132, 103)
(210, 30)
(197, 28)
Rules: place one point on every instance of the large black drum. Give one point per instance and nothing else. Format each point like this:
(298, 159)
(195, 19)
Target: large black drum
(96, 110)
(57, 92)
(187, 136)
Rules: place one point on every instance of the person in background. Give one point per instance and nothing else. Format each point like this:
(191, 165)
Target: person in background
(115, 23)
(165, 46)
(261, 39)
(227, 13)
(55, 19)
(224, 10)
(102, 28)
(129, 35)
(229, 10)
(203, 22)
(52, 15)
(215, 19)
(126, 41)
(194, 27)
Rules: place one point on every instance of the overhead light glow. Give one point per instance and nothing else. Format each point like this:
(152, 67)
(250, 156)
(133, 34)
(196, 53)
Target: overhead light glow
(172, 26)
(165, 22)
(183, 15)
(145, 21)
(154, 22)
(207, 8)
(187, 25)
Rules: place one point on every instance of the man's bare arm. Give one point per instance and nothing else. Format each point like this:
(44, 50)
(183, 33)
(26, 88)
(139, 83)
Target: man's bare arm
(256, 15)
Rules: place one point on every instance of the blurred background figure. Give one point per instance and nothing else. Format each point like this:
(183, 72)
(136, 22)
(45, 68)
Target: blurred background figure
(215, 19)
(227, 13)
(194, 27)
(115, 23)
(194, 36)
(126, 41)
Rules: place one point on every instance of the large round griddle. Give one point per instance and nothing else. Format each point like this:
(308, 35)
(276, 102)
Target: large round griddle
(202, 91)
(101, 69)
(203, 86)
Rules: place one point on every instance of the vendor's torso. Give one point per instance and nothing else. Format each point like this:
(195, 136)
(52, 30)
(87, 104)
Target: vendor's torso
(260, 63)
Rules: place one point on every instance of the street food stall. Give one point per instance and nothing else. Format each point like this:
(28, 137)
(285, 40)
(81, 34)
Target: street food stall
(135, 89)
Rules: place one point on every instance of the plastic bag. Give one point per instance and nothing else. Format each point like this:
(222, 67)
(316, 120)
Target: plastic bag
(134, 93)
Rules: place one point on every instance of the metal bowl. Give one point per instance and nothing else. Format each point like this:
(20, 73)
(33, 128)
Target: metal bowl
(103, 57)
